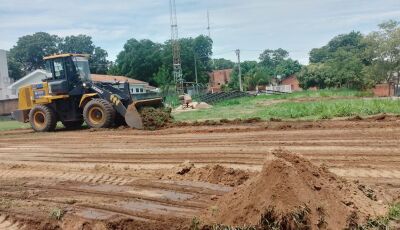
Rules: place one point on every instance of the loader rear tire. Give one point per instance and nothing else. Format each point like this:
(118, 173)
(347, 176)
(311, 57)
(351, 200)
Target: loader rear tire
(99, 113)
(42, 118)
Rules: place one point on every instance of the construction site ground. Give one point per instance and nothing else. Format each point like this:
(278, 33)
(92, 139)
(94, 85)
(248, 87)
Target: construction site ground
(94, 179)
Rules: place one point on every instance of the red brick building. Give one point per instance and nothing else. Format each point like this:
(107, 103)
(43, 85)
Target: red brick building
(293, 82)
(384, 90)
(219, 78)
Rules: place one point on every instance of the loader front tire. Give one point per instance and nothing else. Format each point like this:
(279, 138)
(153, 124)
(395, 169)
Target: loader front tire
(99, 113)
(42, 118)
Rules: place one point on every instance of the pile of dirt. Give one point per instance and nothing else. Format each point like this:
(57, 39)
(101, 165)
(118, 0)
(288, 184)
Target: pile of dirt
(292, 193)
(156, 118)
(216, 174)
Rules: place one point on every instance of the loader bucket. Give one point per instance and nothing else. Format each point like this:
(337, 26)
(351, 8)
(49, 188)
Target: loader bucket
(133, 118)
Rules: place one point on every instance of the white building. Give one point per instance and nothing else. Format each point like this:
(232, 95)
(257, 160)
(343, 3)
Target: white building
(5, 80)
(136, 86)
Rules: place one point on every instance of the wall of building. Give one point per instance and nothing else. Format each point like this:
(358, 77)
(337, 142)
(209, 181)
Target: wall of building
(383, 90)
(293, 82)
(5, 81)
(7, 106)
(219, 78)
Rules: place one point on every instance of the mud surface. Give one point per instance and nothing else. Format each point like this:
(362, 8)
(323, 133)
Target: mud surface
(107, 179)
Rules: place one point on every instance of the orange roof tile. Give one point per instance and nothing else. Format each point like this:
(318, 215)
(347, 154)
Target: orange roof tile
(111, 78)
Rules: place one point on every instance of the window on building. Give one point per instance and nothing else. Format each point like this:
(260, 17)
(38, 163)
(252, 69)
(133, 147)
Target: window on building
(137, 90)
(141, 90)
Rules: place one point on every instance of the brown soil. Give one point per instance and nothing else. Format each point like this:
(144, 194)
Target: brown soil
(216, 174)
(292, 193)
(113, 176)
(156, 118)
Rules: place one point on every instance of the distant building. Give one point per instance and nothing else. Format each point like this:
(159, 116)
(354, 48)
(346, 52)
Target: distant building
(219, 78)
(5, 80)
(293, 82)
(37, 76)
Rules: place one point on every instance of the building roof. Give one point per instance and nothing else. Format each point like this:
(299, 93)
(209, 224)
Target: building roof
(38, 74)
(111, 78)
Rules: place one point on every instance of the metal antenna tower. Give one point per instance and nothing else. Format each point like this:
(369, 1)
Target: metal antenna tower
(176, 54)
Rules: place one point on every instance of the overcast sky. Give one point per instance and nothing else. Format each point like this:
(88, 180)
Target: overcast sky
(251, 25)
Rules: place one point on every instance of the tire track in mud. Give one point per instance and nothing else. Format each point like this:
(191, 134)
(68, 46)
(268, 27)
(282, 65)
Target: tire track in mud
(63, 176)
(7, 224)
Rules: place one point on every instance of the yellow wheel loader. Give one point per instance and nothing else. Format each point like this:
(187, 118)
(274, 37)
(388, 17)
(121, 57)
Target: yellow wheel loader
(68, 95)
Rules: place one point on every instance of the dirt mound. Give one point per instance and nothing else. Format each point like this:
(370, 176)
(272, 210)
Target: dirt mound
(215, 174)
(292, 193)
(156, 118)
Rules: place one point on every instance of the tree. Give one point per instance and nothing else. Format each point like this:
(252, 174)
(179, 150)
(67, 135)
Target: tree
(30, 50)
(221, 63)
(340, 63)
(83, 44)
(384, 50)
(287, 67)
(139, 60)
(271, 58)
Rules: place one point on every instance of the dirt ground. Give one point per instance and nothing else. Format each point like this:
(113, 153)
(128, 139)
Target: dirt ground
(130, 179)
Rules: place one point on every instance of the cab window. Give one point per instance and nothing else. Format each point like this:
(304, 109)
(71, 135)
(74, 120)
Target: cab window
(59, 72)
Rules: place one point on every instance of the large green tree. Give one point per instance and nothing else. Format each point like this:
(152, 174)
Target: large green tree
(340, 63)
(83, 44)
(384, 51)
(152, 62)
(29, 51)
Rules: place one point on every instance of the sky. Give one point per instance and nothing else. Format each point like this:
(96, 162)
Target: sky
(249, 25)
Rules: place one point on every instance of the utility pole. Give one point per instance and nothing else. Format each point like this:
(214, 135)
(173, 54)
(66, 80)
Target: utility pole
(195, 72)
(240, 70)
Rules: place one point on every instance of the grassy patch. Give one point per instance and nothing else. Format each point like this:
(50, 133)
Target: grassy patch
(10, 125)
(323, 104)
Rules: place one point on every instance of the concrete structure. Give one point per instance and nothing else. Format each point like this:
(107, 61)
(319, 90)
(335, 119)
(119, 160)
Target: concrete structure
(219, 78)
(5, 80)
(293, 82)
(37, 76)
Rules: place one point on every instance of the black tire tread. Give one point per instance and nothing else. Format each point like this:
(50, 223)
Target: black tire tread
(50, 116)
(109, 112)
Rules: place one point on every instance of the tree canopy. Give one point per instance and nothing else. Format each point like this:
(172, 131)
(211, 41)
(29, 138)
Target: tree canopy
(355, 60)
(152, 62)
(27, 55)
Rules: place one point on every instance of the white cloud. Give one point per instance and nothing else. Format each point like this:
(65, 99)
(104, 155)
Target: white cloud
(251, 25)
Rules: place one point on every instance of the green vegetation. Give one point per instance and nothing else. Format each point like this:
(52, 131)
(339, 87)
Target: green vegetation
(10, 125)
(27, 55)
(307, 105)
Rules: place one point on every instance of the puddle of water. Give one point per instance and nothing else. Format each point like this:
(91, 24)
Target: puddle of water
(143, 206)
(197, 184)
(164, 194)
(95, 214)
(154, 193)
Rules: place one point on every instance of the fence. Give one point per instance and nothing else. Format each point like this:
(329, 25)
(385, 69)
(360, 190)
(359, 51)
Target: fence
(7, 106)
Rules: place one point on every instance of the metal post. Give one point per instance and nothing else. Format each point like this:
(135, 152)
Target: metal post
(195, 72)
(240, 70)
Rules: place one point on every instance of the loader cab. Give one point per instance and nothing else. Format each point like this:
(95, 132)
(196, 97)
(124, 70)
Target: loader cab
(67, 72)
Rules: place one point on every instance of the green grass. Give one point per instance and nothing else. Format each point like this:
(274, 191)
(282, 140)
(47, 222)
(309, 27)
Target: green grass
(324, 104)
(10, 125)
